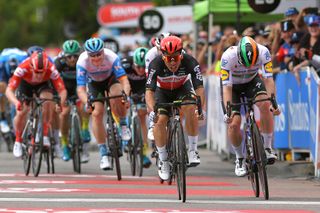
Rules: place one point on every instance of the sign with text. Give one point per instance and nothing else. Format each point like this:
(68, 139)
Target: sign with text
(151, 22)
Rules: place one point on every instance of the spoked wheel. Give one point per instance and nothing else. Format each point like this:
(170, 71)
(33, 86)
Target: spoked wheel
(132, 156)
(52, 155)
(37, 147)
(138, 147)
(114, 146)
(46, 156)
(180, 148)
(261, 161)
(76, 145)
(27, 148)
(252, 168)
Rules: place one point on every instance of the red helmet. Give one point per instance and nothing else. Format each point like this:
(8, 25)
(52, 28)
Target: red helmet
(39, 62)
(171, 45)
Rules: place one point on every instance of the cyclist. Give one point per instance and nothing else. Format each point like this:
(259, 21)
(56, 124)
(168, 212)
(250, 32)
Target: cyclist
(135, 69)
(239, 74)
(33, 49)
(66, 65)
(33, 75)
(99, 70)
(174, 75)
(10, 58)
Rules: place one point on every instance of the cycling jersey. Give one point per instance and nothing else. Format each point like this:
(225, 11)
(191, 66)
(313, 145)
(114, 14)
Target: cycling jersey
(10, 54)
(151, 54)
(24, 72)
(137, 82)
(160, 76)
(232, 72)
(110, 66)
(66, 72)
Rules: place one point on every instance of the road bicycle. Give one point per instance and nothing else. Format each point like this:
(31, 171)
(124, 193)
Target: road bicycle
(135, 145)
(176, 146)
(114, 139)
(32, 138)
(74, 138)
(256, 159)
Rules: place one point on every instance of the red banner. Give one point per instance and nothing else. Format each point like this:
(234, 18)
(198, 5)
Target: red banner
(114, 13)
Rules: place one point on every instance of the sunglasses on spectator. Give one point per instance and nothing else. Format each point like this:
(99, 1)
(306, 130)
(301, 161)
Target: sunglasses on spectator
(93, 55)
(72, 56)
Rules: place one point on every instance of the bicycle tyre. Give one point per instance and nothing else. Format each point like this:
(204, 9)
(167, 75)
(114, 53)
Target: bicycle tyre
(114, 145)
(51, 154)
(76, 144)
(252, 166)
(37, 147)
(261, 161)
(181, 161)
(131, 156)
(27, 148)
(138, 146)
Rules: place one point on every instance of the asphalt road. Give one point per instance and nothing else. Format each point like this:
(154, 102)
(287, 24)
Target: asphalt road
(211, 187)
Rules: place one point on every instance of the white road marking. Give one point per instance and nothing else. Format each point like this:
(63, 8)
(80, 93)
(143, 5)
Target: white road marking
(116, 200)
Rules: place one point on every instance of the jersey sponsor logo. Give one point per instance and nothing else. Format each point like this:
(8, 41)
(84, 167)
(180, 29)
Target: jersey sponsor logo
(224, 62)
(268, 56)
(198, 73)
(224, 75)
(258, 85)
(268, 67)
(173, 79)
(152, 71)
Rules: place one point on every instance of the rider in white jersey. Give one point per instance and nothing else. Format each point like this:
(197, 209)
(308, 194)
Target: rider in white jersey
(239, 74)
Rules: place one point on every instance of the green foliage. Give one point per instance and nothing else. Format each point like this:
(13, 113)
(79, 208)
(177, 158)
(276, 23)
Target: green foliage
(41, 22)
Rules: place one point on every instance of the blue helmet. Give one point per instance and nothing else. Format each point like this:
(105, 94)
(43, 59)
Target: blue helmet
(94, 45)
(33, 49)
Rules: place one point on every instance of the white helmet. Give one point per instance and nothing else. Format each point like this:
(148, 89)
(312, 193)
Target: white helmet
(159, 38)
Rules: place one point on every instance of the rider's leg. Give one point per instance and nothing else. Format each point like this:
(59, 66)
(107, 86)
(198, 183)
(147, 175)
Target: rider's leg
(47, 113)
(120, 110)
(4, 126)
(192, 130)
(142, 116)
(85, 134)
(19, 122)
(64, 128)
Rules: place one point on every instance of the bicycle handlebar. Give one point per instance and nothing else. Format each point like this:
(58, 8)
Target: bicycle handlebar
(103, 99)
(250, 102)
(39, 100)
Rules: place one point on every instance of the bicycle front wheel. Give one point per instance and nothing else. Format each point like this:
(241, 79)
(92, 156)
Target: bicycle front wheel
(76, 144)
(27, 148)
(180, 147)
(37, 146)
(261, 161)
(114, 145)
(138, 146)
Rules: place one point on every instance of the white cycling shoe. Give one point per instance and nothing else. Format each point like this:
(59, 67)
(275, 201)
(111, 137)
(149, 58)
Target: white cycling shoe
(240, 169)
(125, 133)
(17, 149)
(4, 126)
(105, 163)
(271, 156)
(194, 158)
(164, 170)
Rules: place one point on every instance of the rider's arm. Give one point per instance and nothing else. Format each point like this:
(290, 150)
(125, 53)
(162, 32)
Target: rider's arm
(150, 100)
(58, 85)
(81, 83)
(82, 94)
(10, 91)
(200, 92)
(121, 75)
(125, 84)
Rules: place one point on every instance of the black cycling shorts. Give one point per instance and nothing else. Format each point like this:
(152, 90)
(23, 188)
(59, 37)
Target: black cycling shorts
(71, 87)
(26, 89)
(168, 96)
(97, 88)
(250, 90)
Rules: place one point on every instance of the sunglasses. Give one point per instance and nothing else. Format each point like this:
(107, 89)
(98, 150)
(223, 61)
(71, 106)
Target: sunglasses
(95, 54)
(170, 58)
(72, 56)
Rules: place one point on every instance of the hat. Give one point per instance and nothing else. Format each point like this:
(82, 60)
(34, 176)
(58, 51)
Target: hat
(286, 25)
(312, 20)
(296, 37)
(266, 31)
(291, 11)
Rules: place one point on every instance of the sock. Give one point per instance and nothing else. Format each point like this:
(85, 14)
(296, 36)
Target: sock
(85, 123)
(103, 150)
(18, 136)
(193, 140)
(45, 128)
(267, 139)
(238, 151)
(56, 136)
(145, 149)
(123, 121)
(163, 154)
(64, 140)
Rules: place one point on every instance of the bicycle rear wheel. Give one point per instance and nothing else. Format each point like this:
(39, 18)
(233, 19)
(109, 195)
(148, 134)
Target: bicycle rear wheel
(138, 146)
(261, 161)
(37, 146)
(180, 148)
(252, 166)
(76, 144)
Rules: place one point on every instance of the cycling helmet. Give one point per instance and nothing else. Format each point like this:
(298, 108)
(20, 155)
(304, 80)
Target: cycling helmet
(39, 62)
(247, 51)
(13, 63)
(71, 47)
(171, 45)
(162, 36)
(33, 49)
(94, 45)
(139, 56)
